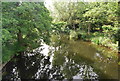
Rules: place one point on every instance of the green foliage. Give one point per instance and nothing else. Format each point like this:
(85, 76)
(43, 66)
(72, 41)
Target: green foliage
(69, 12)
(104, 41)
(6, 35)
(95, 21)
(106, 28)
(24, 24)
(118, 63)
(73, 34)
(59, 27)
(96, 40)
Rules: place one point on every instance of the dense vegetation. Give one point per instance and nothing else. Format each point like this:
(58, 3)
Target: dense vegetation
(91, 21)
(24, 24)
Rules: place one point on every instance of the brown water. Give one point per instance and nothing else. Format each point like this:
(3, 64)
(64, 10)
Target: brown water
(63, 59)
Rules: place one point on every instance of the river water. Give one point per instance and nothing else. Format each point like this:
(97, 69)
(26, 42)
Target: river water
(63, 59)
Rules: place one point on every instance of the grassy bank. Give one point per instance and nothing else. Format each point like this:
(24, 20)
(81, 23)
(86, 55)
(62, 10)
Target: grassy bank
(96, 38)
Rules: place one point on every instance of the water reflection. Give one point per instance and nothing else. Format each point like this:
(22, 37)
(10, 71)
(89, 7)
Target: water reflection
(66, 60)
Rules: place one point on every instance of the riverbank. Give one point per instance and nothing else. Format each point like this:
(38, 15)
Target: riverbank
(96, 38)
(3, 65)
(79, 56)
(106, 51)
(87, 40)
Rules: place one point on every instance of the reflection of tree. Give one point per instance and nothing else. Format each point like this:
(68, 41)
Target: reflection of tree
(71, 65)
(29, 65)
(67, 63)
(81, 56)
(36, 66)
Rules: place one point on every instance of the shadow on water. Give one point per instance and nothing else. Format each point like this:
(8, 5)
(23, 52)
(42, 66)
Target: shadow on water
(73, 60)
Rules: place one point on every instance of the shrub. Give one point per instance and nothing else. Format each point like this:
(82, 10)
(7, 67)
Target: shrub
(104, 41)
(73, 34)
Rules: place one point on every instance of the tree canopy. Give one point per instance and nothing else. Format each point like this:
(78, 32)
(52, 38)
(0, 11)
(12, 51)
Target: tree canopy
(24, 24)
(90, 20)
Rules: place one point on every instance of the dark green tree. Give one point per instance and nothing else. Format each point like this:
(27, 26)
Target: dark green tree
(24, 24)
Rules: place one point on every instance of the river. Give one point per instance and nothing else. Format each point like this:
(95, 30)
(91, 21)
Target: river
(63, 59)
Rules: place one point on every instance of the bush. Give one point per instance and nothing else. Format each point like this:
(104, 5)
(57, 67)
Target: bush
(73, 34)
(97, 40)
(59, 26)
(79, 35)
(104, 41)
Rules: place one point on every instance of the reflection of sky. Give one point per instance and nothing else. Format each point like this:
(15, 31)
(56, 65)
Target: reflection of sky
(85, 72)
(77, 70)
(46, 49)
(80, 75)
(90, 73)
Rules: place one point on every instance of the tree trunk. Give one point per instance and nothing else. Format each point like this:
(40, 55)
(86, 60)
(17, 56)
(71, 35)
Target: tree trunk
(19, 36)
(89, 28)
(20, 42)
(74, 26)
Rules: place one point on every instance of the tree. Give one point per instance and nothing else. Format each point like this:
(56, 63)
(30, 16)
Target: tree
(101, 13)
(70, 12)
(24, 24)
